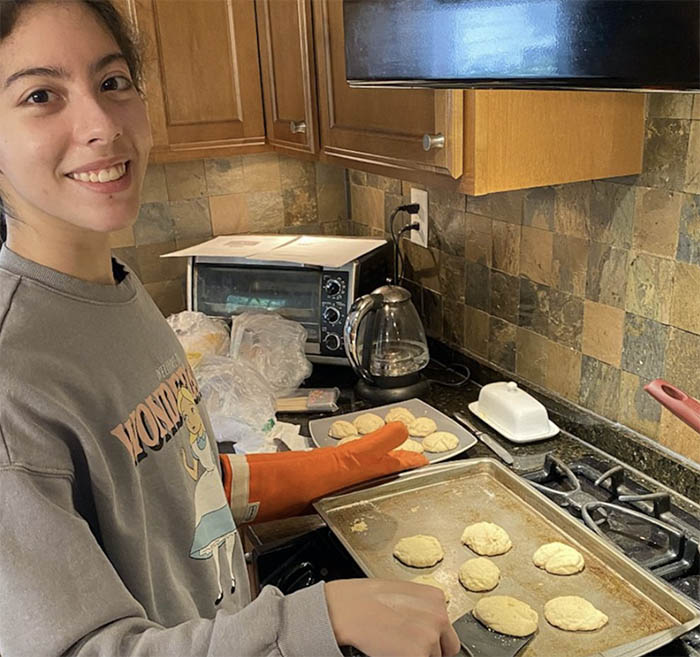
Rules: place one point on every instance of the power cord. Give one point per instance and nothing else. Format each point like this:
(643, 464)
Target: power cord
(463, 377)
(411, 209)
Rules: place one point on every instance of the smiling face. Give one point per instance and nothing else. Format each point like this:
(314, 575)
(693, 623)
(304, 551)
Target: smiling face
(75, 137)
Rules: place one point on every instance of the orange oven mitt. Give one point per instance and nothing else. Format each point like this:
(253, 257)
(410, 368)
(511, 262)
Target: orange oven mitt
(262, 487)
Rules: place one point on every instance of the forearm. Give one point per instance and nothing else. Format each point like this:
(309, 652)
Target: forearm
(61, 594)
(263, 487)
(273, 625)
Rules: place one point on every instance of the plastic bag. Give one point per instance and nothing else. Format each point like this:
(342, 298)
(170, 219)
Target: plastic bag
(274, 346)
(238, 399)
(199, 334)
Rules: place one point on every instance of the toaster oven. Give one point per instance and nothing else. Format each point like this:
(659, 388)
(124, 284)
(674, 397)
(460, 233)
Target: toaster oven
(317, 297)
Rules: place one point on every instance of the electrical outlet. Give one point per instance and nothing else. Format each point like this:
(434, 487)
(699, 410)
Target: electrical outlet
(420, 236)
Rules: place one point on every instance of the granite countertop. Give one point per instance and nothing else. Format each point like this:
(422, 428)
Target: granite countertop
(445, 399)
(580, 430)
(578, 424)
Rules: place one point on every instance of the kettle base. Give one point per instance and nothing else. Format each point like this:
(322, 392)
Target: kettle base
(391, 395)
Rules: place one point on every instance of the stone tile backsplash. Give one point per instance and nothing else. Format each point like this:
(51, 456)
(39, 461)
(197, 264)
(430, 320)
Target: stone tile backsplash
(186, 203)
(589, 290)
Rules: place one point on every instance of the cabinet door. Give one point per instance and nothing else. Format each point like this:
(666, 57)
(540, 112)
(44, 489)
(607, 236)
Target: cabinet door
(288, 73)
(202, 77)
(381, 126)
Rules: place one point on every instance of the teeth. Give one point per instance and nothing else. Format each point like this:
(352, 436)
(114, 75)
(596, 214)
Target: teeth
(102, 176)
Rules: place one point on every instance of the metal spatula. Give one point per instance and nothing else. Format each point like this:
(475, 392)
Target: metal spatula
(479, 641)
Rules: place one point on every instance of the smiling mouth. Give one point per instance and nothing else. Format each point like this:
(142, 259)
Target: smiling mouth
(111, 174)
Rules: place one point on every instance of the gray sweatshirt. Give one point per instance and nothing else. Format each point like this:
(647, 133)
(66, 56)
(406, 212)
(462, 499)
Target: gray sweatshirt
(115, 534)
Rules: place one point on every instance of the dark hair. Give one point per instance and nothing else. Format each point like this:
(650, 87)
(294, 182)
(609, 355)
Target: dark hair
(124, 34)
(126, 37)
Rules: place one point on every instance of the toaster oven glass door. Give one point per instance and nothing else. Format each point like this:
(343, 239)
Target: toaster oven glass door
(231, 290)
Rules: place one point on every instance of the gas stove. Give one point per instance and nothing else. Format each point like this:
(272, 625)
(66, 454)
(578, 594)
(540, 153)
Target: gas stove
(647, 522)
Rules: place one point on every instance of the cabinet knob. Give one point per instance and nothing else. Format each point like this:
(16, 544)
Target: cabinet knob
(433, 141)
(297, 126)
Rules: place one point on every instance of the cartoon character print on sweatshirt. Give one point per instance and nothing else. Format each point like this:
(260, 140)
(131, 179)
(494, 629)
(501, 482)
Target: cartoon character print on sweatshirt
(153, 423)
(214, 525)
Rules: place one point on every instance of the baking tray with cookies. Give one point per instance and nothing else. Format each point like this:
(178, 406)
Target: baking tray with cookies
(640, 613)
(422, 420)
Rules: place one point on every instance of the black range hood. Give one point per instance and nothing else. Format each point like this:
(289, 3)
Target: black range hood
(647, 45)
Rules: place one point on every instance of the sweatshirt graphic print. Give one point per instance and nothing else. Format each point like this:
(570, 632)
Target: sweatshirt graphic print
(151, 424)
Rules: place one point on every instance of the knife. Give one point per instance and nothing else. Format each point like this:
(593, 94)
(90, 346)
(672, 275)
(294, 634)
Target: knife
(501, 452)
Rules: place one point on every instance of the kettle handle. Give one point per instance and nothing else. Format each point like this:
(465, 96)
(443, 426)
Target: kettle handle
(675, 400)
(358, 312)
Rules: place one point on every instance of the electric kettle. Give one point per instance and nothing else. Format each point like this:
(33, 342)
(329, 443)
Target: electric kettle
(386, 346)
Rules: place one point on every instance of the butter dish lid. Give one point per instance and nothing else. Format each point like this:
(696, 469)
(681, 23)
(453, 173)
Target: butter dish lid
(512, 412)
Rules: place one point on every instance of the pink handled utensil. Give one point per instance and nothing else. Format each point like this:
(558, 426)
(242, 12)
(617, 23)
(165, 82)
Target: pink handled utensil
(675, 400)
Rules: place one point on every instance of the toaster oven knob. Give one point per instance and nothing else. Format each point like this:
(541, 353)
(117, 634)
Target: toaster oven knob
(331, 315)
(332, 287)
(332, 342)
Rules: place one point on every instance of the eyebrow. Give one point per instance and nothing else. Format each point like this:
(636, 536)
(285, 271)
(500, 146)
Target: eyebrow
(58, 73)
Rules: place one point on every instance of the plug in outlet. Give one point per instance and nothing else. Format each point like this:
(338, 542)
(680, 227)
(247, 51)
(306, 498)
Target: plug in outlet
(420, 236)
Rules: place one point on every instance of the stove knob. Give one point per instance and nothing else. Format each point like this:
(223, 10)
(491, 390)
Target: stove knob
(332, 342)
(333, 287)
(331, 315)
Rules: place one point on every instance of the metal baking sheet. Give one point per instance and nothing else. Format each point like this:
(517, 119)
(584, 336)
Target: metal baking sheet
(319, 428)
(644, 612)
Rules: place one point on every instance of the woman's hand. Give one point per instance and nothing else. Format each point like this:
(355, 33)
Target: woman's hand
(385, 618)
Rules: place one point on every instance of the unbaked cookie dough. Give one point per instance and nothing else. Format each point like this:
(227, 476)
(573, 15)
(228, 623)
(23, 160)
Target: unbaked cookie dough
(431, 581)
(558, 559)
(422, 426)
(367, 423)
(479, 574)
(486, 539)
(348, 439)
(573, 613)
(342, 429)
(506, 615)
(440, 441)
(421, 551)
(410, 446)
(400, 414)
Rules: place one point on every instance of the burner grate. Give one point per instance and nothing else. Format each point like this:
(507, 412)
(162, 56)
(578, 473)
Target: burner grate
(641, 523)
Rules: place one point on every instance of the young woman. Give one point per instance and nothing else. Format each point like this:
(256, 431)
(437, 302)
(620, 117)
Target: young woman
(114, 509)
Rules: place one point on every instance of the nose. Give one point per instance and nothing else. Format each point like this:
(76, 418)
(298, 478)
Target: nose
(97, 121)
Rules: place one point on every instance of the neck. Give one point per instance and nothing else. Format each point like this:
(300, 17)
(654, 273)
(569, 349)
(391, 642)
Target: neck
(86, 255)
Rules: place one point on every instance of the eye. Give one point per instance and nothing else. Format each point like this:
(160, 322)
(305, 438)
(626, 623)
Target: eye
(117, 83)
(38, 97)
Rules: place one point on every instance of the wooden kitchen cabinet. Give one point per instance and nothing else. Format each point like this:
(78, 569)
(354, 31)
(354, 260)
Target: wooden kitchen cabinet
(202, 77)
(205, 74)
(288, 75)
(494, 140)
(381, 128)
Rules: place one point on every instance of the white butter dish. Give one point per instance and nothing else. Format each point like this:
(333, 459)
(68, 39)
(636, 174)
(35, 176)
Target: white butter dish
(514, 413)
